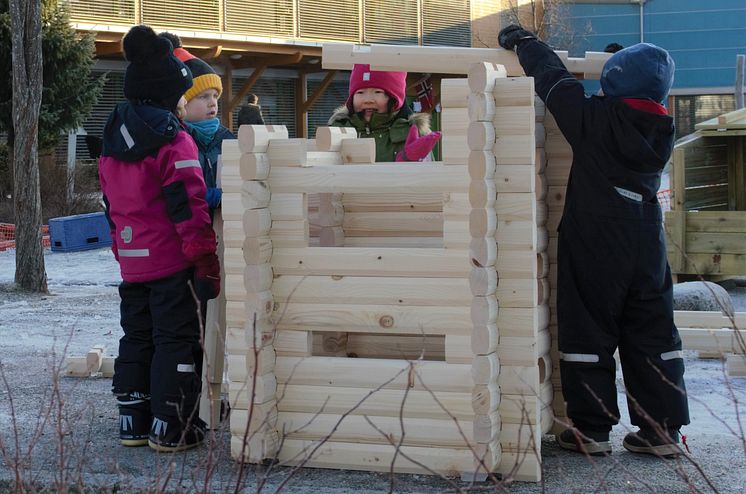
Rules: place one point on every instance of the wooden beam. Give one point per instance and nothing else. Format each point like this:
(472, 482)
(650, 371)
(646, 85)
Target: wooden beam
(301, 117)
(226, 117)
(307, 104)
(109, 49)
(258, 71)
(207, 53)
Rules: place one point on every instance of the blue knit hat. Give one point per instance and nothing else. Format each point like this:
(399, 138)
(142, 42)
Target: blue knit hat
(640, 71)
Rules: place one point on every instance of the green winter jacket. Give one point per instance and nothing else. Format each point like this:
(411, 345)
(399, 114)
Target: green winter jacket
(388, 129)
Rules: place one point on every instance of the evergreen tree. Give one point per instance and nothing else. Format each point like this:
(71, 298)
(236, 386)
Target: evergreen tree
(69, 90)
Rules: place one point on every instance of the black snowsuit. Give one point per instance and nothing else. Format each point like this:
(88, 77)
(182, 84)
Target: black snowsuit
(614, 282)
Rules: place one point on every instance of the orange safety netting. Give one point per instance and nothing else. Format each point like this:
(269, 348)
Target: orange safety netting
(8, 236)
(664, 198)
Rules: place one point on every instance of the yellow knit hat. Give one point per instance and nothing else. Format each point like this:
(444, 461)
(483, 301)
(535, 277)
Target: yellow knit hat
(203, 76)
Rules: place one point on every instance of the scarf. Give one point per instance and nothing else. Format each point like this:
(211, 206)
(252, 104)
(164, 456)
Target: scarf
(205, 129)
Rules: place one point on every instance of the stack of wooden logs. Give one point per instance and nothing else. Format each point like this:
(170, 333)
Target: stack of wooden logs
(362, 296)
(559, 160)
(506, 153)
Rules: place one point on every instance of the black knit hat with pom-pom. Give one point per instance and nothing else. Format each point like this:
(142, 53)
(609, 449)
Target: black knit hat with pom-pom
(154, 73)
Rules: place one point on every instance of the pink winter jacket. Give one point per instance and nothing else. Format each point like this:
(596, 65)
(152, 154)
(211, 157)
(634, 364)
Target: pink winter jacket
(157, 210)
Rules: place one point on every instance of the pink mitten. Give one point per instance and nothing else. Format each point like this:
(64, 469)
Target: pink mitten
(417, 148)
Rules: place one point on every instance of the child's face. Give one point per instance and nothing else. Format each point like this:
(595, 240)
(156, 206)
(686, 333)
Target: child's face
(203, 106)
(369, 101)
(181, 108)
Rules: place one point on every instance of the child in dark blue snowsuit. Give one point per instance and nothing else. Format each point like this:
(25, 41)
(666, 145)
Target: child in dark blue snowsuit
(614, 282)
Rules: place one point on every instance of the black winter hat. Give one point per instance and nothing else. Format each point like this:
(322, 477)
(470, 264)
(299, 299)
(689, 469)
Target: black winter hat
(154, 73)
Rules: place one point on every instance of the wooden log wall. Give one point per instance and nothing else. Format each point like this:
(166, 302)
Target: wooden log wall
(353, 267)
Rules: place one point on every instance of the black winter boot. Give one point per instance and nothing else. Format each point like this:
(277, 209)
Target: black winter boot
(171, 435)
(663, 442)
(585, 442)
(134, 418)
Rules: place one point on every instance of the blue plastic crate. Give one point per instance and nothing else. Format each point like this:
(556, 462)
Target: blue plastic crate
(79, 232)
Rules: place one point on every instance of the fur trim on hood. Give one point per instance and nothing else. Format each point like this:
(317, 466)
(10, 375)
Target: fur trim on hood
(421, 120)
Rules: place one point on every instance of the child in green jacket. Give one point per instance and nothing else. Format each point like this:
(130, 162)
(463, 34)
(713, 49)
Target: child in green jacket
(375, 108)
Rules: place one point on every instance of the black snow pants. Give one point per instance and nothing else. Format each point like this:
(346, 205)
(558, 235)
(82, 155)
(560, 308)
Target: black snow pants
(160, 353)
(615, 290)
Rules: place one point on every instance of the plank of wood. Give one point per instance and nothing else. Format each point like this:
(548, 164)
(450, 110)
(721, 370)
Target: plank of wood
(376, 457)
(516, 121)
(255, 222)
(376, 202)
(716, 243)
(513, 321)
(522, 292)
(419, 431)
(287, 152)
(256, 138)
(481, 164)
(523, 350)
(254, 250)
(388, 346)
(717, 341)
(254, 166)
(263, 419)
(521, 235)
(483, 281)
(288, 207)
(712, 264)
(324, 158)
(482, 193)
(455, 125)
(240, 393)
(480, 136)
(515, 149)
(255, 448)
(454, 93)
(514, 91)
(372, 373)
(481, 107)
(396, 178)
(78, 367)
(358, 151)
(519, 380)
(372, 290)
(295, 233)
(352, 261)
(330, 138)
(522, 264)
(708, 319)
(482, 76)
(367, 318)
(437, 59)
(384, 402)
(389, 224)
(482, 222)
(242, 365)
(526, 409)
(395, 242)
(482, 252)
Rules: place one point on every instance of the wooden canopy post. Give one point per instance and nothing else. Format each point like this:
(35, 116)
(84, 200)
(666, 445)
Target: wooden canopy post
(303, 103)
(226, 117)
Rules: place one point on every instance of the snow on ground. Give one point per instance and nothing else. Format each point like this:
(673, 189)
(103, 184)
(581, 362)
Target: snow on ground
(81, 309)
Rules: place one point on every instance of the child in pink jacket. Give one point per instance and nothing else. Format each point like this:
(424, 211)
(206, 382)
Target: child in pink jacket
(154, 194)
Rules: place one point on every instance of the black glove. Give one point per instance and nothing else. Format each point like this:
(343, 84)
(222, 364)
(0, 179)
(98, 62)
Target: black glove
(207, 277)
(510, 36)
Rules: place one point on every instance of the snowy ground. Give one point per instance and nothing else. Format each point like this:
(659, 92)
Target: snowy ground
(82, 310)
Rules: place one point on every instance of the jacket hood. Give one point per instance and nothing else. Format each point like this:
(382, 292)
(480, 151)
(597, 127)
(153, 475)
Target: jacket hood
(421, 120)
(135, 131)
(644, 140)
